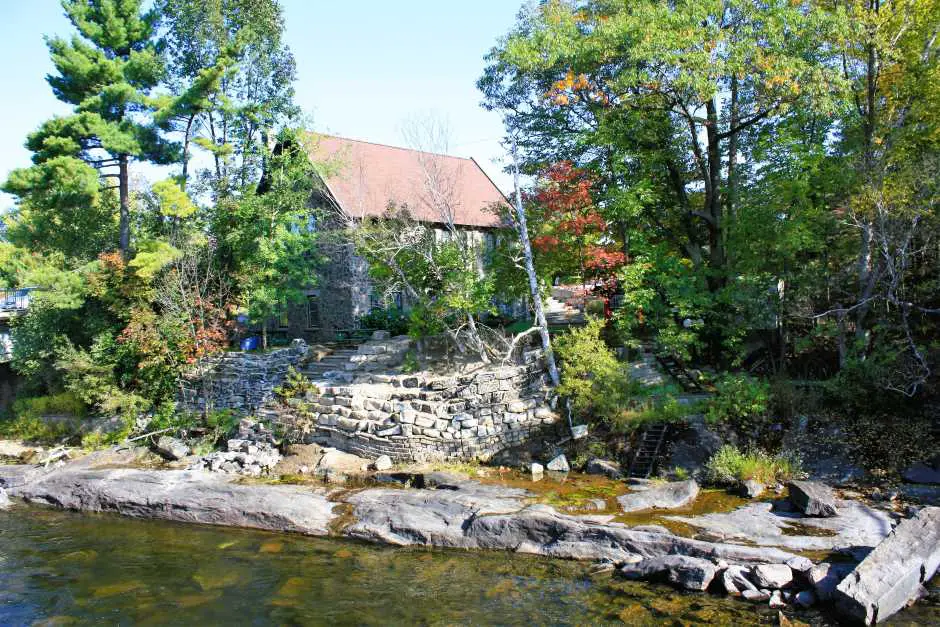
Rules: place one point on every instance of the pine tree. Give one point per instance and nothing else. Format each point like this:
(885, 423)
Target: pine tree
(107, 73)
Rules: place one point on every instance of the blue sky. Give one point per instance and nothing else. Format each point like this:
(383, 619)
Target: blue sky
(364, 67)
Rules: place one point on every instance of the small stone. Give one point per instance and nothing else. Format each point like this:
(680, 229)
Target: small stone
(813, 498)
(751, 489)
(537, 470)
(559, 464)
(171, 448)
(383, 462)
(605, 467)
(800, 564)
(776, 601)
(756, 596)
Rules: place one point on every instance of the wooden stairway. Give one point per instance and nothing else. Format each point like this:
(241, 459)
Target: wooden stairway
(650, 447)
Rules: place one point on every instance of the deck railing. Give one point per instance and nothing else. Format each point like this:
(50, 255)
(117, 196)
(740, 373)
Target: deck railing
(14, 300)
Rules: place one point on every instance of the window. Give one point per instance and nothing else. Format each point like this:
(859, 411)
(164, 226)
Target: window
(313, 312)
(283, 320)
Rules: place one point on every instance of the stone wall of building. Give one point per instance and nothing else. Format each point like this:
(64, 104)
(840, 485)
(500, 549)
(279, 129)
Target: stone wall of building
(241, 381)
(418, 417)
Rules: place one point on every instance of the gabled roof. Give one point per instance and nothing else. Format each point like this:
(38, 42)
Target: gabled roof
(365, 179)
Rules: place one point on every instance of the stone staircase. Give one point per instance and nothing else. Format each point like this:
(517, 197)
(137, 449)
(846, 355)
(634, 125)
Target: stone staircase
(335, 362)
(560, 314)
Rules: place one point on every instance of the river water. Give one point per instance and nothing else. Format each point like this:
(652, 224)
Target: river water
(62, 568)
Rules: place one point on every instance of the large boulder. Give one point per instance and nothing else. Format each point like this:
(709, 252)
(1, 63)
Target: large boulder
(670, 495)
(895, 572)
(171, 448)
(690, 573)
(826, 576)
(751, 489)
(606, 467)
(813, 498)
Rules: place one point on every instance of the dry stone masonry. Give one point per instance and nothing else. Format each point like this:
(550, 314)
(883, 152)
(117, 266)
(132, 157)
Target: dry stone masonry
(419, 417)
(240, 381)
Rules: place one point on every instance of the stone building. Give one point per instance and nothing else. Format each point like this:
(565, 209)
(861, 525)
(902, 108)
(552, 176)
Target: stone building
(363, 179)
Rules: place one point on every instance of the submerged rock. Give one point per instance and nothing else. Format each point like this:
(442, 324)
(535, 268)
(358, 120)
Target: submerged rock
(171, 448)
(690, 573)
(813, 498)
(894, 573)
(670, 495)
(605, 467)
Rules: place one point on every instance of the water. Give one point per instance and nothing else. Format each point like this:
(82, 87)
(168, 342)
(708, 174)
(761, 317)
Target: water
(61, 568)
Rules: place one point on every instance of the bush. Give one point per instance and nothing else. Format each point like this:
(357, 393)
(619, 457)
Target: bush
(392, 319)
(741, 402)
(28, 420)
(295, 385)
(596, 384)
(654, 409)
(730, 466)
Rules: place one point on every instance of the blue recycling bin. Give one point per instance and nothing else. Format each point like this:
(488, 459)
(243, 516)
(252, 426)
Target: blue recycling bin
(250, 343)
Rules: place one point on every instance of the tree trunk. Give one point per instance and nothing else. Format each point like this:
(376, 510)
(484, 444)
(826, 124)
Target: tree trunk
(124, 224)
(713, 192)
(533, 279)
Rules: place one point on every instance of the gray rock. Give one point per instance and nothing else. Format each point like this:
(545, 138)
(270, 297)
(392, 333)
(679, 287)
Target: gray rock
(171, 448)
(382, 462)
(470, 515)
(756, 596)
(776, 600)
(800, 565)
(690, 573)
(185, 496)
(652, 529)
(660, 496)
(826, 576)
(605, 467)
(5, 502)
(813, 498)
(762, 523)
(736, 581)
(894, 573)
(922, 473)
(805, 598)
(772, 576)
(537, 470)
(559, 464)
(751, 489)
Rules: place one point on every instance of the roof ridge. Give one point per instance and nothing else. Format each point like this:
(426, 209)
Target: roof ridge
(364, 141)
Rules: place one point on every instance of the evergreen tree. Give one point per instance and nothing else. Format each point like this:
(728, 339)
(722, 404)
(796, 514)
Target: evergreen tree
(107, 73)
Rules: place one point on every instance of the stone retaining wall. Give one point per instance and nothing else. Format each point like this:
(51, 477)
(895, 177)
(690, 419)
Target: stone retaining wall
(424, 417)
(240, 381)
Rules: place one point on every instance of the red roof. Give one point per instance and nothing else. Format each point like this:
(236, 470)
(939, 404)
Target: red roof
(365, 178)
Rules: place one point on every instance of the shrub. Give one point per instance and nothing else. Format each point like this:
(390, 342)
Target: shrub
(654, 409)
(729, 466)
(295, 385)
(391, 319)
(596, 384)
(28, 418)
(740, 401)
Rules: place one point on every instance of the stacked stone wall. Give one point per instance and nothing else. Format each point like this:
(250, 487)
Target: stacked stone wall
(424, 417)
(240, 381)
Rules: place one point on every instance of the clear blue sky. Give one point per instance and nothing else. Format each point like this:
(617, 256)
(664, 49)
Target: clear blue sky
(364, 66)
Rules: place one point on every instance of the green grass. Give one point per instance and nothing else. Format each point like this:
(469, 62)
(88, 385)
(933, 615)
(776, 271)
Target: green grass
(729, 466)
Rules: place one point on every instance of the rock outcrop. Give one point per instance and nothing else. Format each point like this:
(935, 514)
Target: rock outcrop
(670, 495)
(894, 573)
(184, 496)
(813, 498)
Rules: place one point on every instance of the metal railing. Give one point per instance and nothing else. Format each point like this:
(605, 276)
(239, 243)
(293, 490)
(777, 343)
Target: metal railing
(15, 299)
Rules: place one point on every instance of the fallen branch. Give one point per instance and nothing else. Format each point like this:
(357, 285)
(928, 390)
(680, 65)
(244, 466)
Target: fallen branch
(147, 435)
